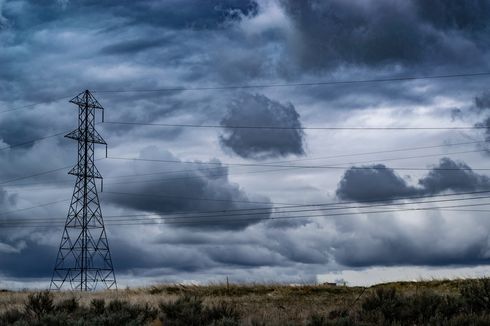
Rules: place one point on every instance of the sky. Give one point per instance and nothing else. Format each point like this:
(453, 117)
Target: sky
(50, 51)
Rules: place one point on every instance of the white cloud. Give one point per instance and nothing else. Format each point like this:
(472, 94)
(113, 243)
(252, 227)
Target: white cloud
(376, 275)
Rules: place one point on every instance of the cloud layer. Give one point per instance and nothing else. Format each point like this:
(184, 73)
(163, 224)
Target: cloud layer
(52, 50)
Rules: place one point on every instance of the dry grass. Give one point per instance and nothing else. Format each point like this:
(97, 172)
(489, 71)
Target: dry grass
(269, 304)
(273, 304)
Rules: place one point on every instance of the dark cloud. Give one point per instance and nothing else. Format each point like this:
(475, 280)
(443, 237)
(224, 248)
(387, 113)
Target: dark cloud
(179, 14)
(453, 176)
(6, 199)
(470, 16)
(388, 33)
(482, 106)
(133, 46)
(245, 256)
(131, 257)
(28, 259)
(259, 144)
(379, 182)
(3, 20)
(485, 125)
(401, 249)
(482, 102)
(197, 189)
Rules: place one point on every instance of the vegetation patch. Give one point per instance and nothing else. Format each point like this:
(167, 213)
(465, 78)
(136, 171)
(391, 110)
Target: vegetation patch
(413, 303)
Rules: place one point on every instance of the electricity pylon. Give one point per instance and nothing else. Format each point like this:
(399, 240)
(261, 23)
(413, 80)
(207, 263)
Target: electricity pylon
(84, 259)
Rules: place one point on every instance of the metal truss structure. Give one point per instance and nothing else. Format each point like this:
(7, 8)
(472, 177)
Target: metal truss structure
(84, 260)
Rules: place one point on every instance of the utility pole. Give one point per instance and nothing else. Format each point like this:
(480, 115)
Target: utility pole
(84, 259)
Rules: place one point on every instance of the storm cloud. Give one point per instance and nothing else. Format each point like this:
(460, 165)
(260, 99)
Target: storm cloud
(482, 102)
(379, 182)
(203, 191)
(388, 33)
(255, 143)
(376, 182)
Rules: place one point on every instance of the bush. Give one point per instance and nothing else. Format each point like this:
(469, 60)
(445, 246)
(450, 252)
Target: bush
(186, 310)
(97, 306)
(40, 310)
(39, 304)
(225, 322)
(476, 295)
(11, 316)
(119, 312)
(222, 311)
(69, 305)
(384, 304)
(317, 320)
(426, 307)
(190, 311)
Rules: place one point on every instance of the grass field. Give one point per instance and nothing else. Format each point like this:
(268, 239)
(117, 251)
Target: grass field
(458, 302)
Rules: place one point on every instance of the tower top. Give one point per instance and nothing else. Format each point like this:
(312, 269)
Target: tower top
(86, 100)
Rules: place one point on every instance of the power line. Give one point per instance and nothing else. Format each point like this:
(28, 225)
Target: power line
(384, 201)
(262, 171)
(341, 204)
(190, 177)
(32, 140)
(291, 128)
(386, 151)
(217, 168)
(287, 161)
(155, 221)
(318, 83)
(219, 221)
(289, 209)
(33, 207)
(295, 166)
(35, 175)
(33, 105)
(36, 139)
(117, 218)
(330, 206)
(39, 174)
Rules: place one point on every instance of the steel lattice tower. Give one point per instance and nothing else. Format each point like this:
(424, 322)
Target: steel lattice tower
(84, 259)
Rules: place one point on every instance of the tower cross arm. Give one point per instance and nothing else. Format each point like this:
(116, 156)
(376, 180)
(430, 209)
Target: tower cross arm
(86, 99)
(92, 137)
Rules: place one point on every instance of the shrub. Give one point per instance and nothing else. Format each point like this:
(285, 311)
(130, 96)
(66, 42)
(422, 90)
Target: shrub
(39, 304)
(423, 308)
(338, 313)
(69, 305)
(11, 316)
(225, 322)
(186, 310)
(222, 311)
(317, 320)
(97, 306)
(155, 290)
(476, 295)
(119, 312)
(384, 303)
(190, 311)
